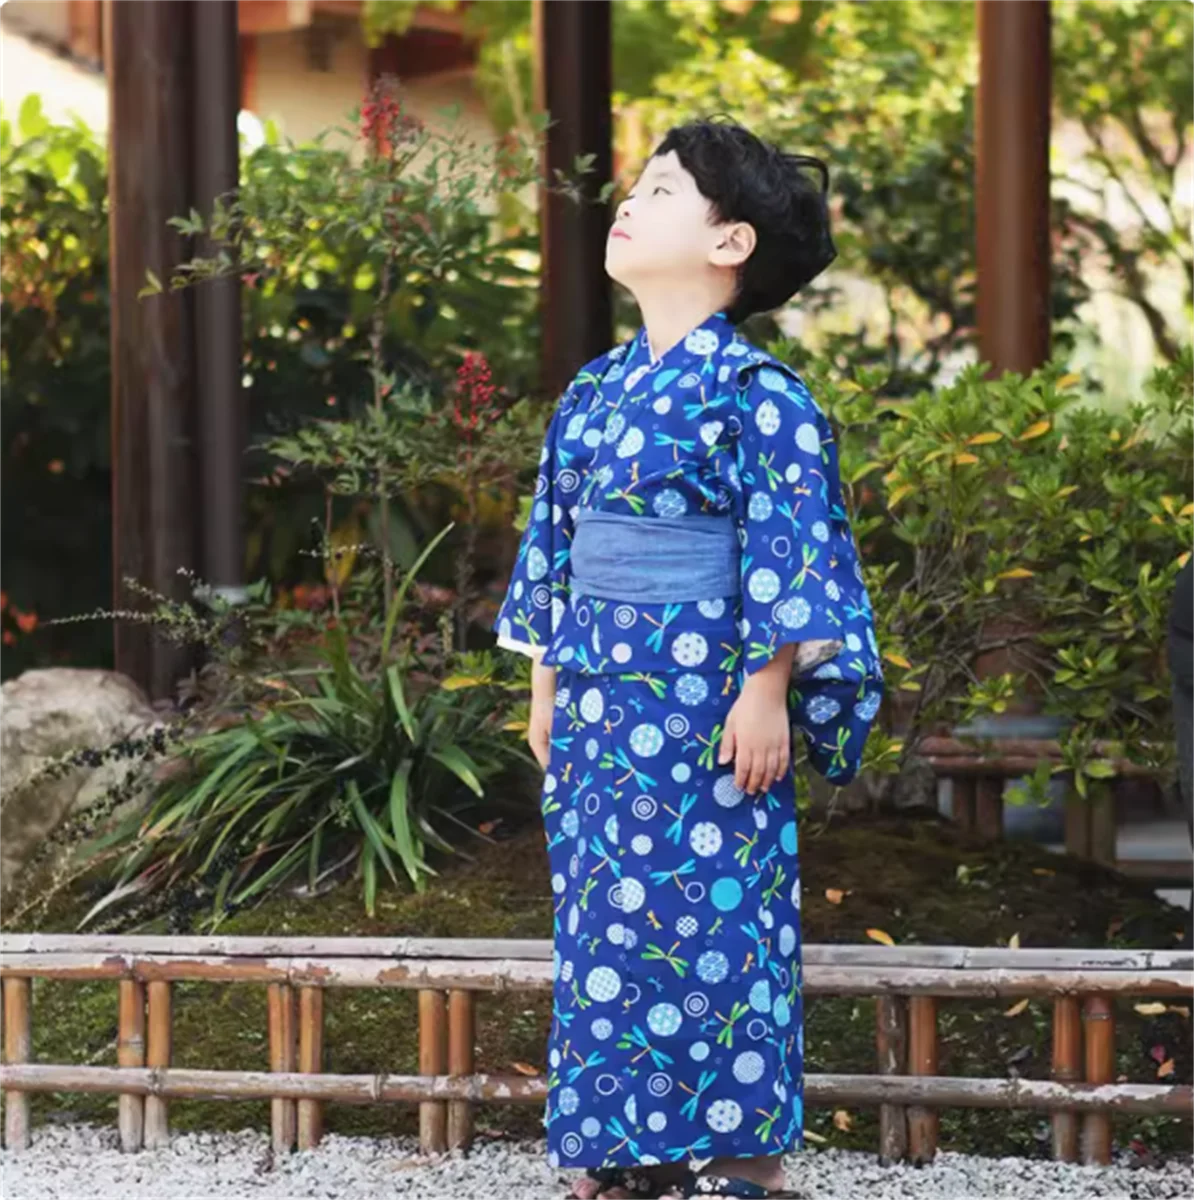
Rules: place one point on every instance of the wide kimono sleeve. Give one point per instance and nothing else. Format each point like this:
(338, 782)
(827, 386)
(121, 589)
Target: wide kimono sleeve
(802, 580)
(538, 589)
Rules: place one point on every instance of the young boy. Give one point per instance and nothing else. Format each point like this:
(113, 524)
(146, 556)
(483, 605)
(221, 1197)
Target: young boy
(689, 587)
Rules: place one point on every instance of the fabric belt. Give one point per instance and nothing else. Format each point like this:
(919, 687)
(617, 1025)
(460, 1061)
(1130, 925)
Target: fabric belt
(655, 560)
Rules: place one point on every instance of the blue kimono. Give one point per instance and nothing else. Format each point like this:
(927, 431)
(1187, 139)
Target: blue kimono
(677, 1028)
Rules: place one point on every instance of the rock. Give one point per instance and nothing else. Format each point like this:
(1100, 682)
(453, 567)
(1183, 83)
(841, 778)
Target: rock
(44, 715)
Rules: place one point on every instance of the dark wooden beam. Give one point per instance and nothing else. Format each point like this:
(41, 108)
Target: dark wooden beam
(221, 425)
(154, 477)
(1012, 185)
(572, 47)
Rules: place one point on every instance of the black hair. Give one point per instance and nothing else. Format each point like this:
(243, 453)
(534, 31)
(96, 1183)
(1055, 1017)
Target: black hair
(748, 179)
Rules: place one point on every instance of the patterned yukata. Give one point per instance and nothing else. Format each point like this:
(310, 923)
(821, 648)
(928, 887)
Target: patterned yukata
(677, 1020)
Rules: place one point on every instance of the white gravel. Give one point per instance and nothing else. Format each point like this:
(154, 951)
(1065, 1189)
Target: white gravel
(84, 1163)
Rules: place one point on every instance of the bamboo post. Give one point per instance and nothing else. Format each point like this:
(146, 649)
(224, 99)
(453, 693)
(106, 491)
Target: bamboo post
(433, 1027)
(461, 1040)
(988, 807)
(922, 1060)
(1067, 1068)
(1102, 824)
(963, 792)
(283, 1118)
(1098, 1020)
(130, 1052)
(157, 1054)
(18, 1042)
(1077, 824)
(891, 1043)
(310, 1054)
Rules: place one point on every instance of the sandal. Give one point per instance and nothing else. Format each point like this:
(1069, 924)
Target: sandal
(731, 1187)
(629, 1179)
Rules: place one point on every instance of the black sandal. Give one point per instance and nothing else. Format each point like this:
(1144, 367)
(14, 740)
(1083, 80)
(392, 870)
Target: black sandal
(731, 1186)
(630, 1179)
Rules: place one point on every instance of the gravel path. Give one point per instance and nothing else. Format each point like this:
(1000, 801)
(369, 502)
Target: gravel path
(84, 1163)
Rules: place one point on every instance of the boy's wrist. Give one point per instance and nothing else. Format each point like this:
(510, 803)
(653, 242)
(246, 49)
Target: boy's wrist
(773, 680)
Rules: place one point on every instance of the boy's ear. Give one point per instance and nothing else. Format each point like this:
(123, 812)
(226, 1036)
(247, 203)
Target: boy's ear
(735, 244)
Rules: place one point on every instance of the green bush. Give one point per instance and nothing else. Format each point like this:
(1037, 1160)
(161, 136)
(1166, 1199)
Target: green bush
(1007, 518)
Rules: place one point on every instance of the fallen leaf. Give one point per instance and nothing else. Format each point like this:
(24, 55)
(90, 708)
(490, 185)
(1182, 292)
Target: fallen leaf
(965, 460)
(1180, 1010)
(1153, 1009)
(809, 1136)
(877, 935)
(1165, 1069)
(835, 895)
(842, 1120)
(1067, 381)
(897, 660)
(1043, 871)
(1013, 943)
(488, 827)
(1016, 573)
(525, 1068)
(1016, 1009)
(983, 439)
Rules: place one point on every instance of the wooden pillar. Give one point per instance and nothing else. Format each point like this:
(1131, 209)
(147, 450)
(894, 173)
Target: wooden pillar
(130, 1052)
(310, 1061)
(572, 49)
(18, 1044)
(157, 1054)
(922, 1060)
(891, 1043)
(433, 1060)
(283, 1117)
(461, 1040)
(1067, 1068)
(221, 424)
(1098, 1019)
(1012, 184)
(988, 807)
(154, 476)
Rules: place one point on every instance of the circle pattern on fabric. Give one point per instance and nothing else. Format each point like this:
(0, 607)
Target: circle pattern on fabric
(603, 984)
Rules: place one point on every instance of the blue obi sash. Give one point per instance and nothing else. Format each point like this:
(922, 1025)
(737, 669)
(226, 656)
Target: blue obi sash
(655, 560)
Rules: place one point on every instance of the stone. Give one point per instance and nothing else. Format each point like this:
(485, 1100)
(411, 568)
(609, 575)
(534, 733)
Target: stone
(44, 715)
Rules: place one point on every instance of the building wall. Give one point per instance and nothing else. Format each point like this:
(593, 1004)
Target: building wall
(288, 88)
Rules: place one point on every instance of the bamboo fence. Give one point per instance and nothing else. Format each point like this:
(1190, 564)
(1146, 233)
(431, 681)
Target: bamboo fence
(979, 768)
(908, 982)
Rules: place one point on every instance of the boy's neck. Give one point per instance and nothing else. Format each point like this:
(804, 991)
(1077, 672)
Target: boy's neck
(671, 312)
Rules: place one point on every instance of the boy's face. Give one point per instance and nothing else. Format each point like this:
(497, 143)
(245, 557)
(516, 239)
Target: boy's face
(665, 229)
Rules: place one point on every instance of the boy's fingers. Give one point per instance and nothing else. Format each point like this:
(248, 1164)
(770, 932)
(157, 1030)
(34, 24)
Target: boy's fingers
(771, 776)
(726, 753)
(741, 767)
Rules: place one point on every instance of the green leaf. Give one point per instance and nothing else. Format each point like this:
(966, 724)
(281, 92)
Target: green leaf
(399, 698)
(461, 766)
(408, 848)
(31, 121)
(373, 831)
(369, 874)
(313, 856)
(400, 596)
(1100, 768)
(152, 288)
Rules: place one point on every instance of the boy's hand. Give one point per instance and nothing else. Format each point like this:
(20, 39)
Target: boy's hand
(543, 704)
(758, 733)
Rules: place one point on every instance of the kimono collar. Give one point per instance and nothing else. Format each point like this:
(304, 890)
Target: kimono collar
(710, 336)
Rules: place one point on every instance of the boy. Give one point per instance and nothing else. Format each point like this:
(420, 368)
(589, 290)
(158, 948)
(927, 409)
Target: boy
(689, 587)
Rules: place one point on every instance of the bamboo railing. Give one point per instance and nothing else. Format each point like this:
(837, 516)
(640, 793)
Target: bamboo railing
(908, 982)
